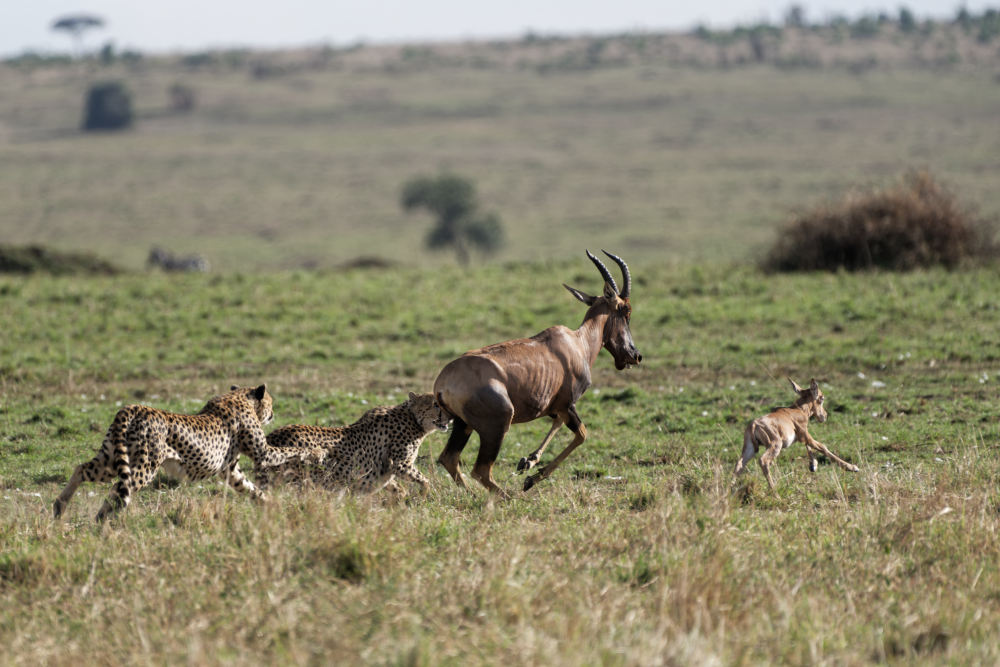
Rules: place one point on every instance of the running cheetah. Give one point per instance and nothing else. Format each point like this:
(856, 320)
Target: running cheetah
(366, 455)
(142, 440)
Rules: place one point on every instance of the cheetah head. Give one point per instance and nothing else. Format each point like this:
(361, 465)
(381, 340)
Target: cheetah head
(262, 403)
(428, 412)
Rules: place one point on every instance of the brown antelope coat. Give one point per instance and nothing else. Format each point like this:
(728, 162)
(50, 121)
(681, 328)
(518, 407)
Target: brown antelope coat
(488, 389)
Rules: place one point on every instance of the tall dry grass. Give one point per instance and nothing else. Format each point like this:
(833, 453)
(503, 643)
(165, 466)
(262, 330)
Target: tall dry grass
(582, 572)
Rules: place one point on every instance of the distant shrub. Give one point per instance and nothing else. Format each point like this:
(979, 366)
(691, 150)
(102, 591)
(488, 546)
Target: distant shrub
(801, 60)
(702, 32)
(107, 55)
(200, 59)
(907, 21)
(182, 97)
(964, 19)
(917, 223)
(989, 26)
(795, 16)
(38, 259)
(30, 59)
(865, 27)
(108, 107)
(130, 57)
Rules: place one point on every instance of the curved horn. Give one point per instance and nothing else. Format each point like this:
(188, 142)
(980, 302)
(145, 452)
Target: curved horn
(604, 271)
(625, 274)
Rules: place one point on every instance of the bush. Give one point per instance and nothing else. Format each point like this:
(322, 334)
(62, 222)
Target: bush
(39, 259)
(108, 107)
(917, 223)
(182, 98)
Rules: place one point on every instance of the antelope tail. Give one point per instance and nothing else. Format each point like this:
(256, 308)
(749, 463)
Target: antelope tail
(440, 402)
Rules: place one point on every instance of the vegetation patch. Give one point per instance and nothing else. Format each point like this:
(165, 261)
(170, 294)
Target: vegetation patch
(346, 560)
(916, 223)
(40, 259)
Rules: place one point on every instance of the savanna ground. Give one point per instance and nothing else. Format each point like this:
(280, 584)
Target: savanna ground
(638, 550)
(641, 549)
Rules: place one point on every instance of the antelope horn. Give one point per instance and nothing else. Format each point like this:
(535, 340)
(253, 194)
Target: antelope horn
(604, 271)
(625, 274)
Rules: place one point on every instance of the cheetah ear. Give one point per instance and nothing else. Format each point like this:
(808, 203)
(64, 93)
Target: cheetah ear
(259, 392)
(412, 396)
(234, 387)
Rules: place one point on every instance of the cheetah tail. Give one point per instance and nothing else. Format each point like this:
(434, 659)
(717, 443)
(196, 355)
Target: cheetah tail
(119, 452)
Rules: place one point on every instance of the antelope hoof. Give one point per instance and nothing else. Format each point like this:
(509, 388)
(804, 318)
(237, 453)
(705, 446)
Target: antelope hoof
(57, 508)
(530, 482)
(854, 468)
(526, 464)
(813, 465)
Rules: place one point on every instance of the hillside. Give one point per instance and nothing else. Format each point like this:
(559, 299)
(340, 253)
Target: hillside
(673, 148)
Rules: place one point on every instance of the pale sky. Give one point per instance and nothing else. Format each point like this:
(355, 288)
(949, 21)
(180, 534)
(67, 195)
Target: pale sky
(193, 25)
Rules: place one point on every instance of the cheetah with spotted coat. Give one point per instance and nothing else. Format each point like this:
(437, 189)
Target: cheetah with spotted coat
(364, 456)
(141, 440)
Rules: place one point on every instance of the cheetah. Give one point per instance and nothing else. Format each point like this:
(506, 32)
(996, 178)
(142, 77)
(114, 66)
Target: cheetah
(142, 440)
(364, 456)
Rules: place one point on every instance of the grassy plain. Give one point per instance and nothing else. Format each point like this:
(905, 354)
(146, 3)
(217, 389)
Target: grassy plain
(304, 168)
(640, 550)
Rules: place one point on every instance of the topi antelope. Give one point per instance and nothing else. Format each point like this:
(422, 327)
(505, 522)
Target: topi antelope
(781, 428)
(488, 389)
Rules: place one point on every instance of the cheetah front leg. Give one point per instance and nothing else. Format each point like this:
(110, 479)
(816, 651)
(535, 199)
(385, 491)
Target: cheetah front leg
(396, 489)
(238, 481)
(371, 482)
(411, 473)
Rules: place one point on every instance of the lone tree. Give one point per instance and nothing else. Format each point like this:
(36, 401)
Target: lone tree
(76, 24)
(460, 224)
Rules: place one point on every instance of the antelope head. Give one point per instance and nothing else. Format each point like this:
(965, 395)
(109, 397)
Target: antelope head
(810, 400)
(617, 338)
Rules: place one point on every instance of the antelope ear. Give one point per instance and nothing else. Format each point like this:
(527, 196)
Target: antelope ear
(814, 388)
(609, 291)
(259, 392)
(796, 388)
(585, 298)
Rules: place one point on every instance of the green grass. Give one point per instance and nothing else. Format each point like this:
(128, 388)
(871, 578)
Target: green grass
(640, 549)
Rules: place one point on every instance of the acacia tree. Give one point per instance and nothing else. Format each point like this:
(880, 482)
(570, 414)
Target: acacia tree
(75, 25)
(460, 225)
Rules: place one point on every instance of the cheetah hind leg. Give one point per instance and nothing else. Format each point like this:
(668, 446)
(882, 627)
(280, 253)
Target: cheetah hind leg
(133, 475)
(118, 499)
(92, 471)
